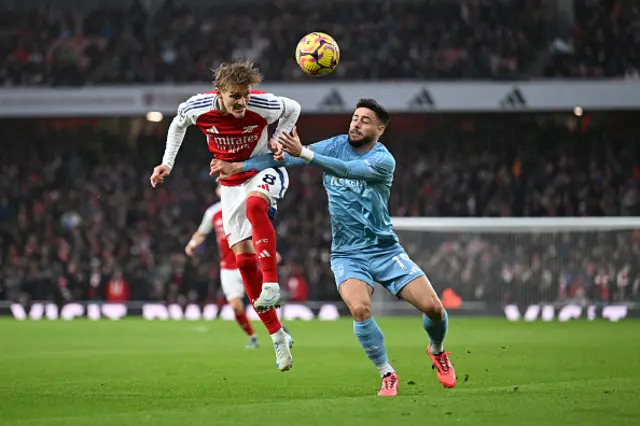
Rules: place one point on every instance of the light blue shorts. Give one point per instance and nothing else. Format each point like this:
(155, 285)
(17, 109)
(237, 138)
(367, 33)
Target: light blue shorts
(390, 267)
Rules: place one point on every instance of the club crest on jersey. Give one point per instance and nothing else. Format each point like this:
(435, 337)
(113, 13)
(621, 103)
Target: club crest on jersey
(248, 129)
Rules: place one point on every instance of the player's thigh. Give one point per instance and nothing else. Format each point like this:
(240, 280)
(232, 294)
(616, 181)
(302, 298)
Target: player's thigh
(234, 216)
(355, 285)
(272, 185)
(356, 294)
(420, 293)
(232, 285)
(393, 269)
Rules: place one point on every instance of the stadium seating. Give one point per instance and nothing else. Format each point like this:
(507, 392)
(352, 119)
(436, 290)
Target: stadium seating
(379, 40)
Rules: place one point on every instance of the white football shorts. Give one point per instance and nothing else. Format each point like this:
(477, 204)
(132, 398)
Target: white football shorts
(271, 182)
(232, 286)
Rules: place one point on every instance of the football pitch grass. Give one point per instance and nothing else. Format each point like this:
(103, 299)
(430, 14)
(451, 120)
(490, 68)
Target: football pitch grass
(136, 372)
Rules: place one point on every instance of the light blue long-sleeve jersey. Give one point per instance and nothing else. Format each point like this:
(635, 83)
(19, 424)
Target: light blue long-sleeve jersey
(358, 186)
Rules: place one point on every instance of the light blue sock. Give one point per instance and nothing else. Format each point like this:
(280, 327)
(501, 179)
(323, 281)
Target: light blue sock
(372, 341)
(436, 330)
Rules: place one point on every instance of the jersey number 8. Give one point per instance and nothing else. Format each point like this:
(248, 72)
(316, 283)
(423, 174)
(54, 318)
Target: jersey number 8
(269, 179)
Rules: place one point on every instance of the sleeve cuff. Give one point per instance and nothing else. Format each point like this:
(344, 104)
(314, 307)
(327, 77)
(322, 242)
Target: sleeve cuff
(306, 154)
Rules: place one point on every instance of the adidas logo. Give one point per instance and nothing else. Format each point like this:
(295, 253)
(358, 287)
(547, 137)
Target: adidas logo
(263, 254)
(422, 100)
(513, 99)
(332, 100)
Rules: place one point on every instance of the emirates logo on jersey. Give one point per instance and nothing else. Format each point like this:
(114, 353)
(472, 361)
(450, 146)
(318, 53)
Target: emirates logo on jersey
(233, 143)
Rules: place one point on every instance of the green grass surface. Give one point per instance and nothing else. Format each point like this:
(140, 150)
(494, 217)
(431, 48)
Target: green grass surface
(135, 372)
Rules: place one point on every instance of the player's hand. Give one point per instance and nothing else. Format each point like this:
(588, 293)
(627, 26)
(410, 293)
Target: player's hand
(158, 175)
(291, 144)
(223, 169)
(278, 152)
(189, 250)
(278, 258)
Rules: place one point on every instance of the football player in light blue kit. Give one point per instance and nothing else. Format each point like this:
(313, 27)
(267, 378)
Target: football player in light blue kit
(358, 173)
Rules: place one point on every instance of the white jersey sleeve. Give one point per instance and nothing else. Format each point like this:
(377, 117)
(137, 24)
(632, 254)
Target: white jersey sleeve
(206, 226)
(188, 113)
(276, 108)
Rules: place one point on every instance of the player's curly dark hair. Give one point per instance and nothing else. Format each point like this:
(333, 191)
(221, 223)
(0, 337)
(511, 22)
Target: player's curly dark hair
(236, 73)
(381, 113)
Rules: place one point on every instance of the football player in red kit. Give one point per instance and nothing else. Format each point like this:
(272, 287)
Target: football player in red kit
(230, 277)
(234, 119)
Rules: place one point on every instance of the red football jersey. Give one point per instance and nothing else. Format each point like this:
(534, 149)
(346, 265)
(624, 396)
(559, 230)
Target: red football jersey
(231, 139)
(212, 220)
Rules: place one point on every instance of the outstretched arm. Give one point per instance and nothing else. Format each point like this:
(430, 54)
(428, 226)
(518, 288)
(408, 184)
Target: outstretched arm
(262, 162)
(266, 161)
(175, 135)
(375, 168)
(259, 163)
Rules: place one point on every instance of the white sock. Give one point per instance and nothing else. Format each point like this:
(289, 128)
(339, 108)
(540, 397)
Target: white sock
(278, 335)
(437, 348)
(387, 368)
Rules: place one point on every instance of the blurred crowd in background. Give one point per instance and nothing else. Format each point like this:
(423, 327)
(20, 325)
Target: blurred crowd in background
(605, 42)
(171, 42)
(527, 268)
(80, 221)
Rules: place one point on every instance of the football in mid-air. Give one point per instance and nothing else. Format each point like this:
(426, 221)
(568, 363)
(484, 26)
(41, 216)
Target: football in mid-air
(317, 54)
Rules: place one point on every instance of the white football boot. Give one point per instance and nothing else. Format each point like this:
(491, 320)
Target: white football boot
(284, 360)
(269, 297)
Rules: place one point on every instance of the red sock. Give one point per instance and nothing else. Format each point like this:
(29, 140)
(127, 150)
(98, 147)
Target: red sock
(270, 320)
(244, 323)
(264, 237)
(252, 279)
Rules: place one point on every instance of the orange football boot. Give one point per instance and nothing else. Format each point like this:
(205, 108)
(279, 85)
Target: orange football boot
(389, 385)
(446, 373)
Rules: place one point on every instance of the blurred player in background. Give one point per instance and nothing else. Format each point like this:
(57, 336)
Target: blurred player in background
(365, 250)
(234, 119)
(230, 277)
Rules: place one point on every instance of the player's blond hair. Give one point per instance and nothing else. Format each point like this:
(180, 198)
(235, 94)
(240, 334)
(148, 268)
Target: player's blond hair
(236, 74)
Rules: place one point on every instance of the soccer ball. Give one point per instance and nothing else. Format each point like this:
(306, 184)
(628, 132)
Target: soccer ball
(317, 54)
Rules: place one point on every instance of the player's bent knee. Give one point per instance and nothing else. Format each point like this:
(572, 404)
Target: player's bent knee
(360, 311)
(434, 309)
